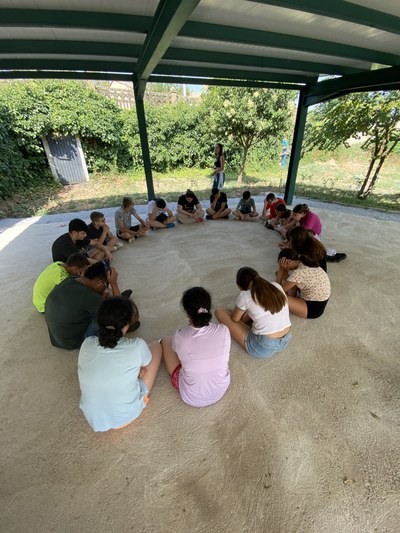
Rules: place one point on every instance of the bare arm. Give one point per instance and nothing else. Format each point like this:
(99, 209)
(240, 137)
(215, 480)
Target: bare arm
(237, 314)
(99, 246)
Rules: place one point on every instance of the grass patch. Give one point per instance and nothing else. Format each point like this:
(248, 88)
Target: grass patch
(328, 176)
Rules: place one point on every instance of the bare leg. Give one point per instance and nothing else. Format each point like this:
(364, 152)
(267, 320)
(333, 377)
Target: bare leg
(238, 329)
(157, 224)
(149, 372)
(223, 213)
(171, 359)
(96, 255)
(297, 306)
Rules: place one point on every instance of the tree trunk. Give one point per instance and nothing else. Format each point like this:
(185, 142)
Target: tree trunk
(360, 193)
(243, 165)
(368, 190)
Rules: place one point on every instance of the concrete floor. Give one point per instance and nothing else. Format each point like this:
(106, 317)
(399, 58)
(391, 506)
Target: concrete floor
(307, 441)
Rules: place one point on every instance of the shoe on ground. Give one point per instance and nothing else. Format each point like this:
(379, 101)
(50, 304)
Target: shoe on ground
(199, 219)
(227, 217)
(268, 225)
(336, 258)
(209, 217)
(131, 240)
(170, 225)
(127, 293)
(118, 245)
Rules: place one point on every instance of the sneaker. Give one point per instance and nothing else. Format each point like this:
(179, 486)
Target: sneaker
(170, 225)
(336, 258)
(131, 240)
(118, 245)
(268, 225)
(199, 219)
(127, 293)
(209, 217)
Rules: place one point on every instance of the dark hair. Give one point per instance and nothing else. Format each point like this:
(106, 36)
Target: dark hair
(288, 253)
(301, 208)
(77, 260)
(305, 244)
(113, 314)
(221, 148)
(96, 215)
(160, 203)
(126, 201)
(96, 271)
(269, 297)
(214, 190)
(286, 213)
(197, 304)
(246, 195)
(270, 196)
(189, 194)
(76, 224)
(281, 207)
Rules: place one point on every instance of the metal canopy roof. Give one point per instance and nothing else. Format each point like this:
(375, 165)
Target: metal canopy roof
(292, 43)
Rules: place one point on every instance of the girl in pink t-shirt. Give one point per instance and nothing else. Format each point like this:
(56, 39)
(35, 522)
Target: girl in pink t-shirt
(197, 356)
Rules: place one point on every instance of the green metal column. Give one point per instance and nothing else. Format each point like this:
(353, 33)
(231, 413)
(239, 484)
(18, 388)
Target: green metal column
(139, 89)
(296, 147)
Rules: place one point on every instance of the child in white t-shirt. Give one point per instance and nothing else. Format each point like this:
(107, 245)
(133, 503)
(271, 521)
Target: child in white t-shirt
(260, 321)
(197, 356)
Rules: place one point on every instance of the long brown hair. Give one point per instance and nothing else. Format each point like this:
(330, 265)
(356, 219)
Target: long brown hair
(262, 291)
(304, 243)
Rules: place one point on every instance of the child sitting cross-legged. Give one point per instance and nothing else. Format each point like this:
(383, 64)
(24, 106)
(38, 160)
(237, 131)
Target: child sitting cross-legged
(197, 356)
(306, 284)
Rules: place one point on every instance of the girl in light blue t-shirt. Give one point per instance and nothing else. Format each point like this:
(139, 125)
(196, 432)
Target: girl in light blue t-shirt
(115, 373)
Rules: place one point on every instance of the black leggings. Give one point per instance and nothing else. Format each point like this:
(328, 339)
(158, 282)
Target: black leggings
(315, 309)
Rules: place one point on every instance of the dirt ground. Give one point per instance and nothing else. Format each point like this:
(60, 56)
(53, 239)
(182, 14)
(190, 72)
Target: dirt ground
(307, 441)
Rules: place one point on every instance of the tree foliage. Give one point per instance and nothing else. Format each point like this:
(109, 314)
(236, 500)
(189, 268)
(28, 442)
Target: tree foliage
(375, 115)
(244, 117)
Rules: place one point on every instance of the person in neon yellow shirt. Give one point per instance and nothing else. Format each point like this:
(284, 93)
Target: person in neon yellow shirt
(54, 274)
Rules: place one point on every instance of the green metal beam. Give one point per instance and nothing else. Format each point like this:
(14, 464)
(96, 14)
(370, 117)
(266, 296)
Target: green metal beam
(91, 20)
(212, 72)
(294, 160)
(68, 64)
(218, 32)
(223, 58)
(375, 80)
(62, 75)
(168, 19)
(223, 82)
(43, 46)
(139, 89)
(141, 24)
(18, 46)
(342, 10)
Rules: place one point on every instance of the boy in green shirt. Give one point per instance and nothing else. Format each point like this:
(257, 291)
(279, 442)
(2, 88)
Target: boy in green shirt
(55, 274)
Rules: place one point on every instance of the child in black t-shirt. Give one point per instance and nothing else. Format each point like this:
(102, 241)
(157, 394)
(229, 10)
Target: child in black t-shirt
(189, 210)
(218, 205)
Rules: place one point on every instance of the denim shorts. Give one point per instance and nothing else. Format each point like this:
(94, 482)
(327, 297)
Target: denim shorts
(262, 346)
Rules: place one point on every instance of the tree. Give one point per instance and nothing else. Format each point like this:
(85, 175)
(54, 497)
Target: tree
(375, 115)
(37, 108)
(246, 116)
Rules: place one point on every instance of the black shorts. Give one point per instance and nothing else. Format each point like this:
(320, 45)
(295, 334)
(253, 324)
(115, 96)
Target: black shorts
(315, 309)
(132, 228)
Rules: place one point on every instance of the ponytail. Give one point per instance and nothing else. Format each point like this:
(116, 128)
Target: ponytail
(269, 297)
(114, 313)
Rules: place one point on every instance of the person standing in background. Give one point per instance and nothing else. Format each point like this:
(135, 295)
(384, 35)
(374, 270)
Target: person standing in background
(219, 167)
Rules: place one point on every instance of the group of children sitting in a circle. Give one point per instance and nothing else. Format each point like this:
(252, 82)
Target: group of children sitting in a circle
(84, 307)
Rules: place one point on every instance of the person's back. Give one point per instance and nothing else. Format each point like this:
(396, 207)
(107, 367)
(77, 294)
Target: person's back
(111, 395)
(51, 276)
(204, 355)
(69, 310)
(54, 274)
